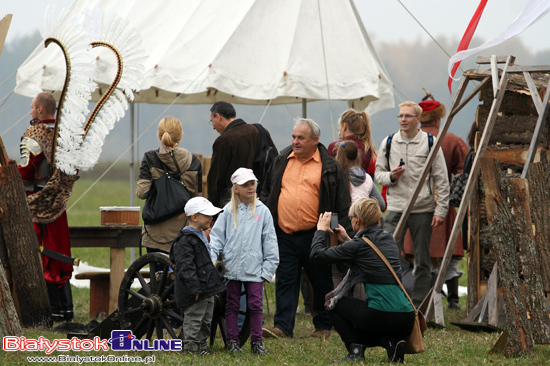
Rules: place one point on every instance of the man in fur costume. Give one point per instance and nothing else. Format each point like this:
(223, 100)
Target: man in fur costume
(48, 191)
(455, 151)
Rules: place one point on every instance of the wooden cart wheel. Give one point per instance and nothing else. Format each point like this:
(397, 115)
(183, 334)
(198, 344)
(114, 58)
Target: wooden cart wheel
(146, 311)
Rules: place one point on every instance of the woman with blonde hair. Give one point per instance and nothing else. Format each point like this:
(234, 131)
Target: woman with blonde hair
(179, 161)
(386, 318)
(355, 126)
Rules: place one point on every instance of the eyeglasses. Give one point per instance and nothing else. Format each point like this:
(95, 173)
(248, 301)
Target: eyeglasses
(351, 217)
(210, 122)
(407, 116)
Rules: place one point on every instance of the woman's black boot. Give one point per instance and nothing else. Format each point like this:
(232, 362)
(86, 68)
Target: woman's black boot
(356, 353)
(395, 349)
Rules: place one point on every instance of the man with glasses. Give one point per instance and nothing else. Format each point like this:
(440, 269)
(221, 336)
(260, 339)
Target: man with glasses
(304, 181)
(236, 147)
(408, 152)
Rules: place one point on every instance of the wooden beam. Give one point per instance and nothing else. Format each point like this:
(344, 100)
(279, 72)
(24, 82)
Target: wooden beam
(534, 92)
(494, 74)
(538, 130)
(4, 26)
(487, 60)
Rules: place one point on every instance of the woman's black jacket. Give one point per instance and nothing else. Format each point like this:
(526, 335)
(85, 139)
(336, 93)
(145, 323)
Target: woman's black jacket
(366, 266)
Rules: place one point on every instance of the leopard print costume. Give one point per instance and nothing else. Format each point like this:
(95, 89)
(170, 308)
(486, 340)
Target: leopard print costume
(49, 203)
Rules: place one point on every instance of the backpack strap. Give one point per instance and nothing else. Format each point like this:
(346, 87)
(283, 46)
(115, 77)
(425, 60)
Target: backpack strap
(388, 148)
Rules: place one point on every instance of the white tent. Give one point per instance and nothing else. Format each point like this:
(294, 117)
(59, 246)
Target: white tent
(241, 51)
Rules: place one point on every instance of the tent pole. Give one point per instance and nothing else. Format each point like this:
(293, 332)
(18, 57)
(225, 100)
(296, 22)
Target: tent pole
(132, 178)
(304, 108)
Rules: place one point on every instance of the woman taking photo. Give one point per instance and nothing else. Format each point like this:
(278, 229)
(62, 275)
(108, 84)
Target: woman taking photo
(386, 318)
(158, 237)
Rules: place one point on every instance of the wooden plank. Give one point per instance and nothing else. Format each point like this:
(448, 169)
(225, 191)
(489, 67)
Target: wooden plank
(4, 26)
(474, 313)
(438, 309)
(474, 258)
(481, 60)
(4, 158)
(538, 68)
(494, 74)
(537, 132)
(470, 183)
(117, 273)
(534, 92)
(105, 236)
(492, 297)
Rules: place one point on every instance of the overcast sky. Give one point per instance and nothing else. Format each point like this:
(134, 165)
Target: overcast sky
(385, 20)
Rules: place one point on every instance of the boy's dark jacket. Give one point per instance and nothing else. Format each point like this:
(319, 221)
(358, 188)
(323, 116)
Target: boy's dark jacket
(195, 272)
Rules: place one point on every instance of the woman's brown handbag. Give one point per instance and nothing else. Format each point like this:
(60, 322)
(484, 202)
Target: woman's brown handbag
(415, 340)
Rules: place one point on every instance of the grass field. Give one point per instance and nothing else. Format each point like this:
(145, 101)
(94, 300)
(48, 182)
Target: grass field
(448, 346)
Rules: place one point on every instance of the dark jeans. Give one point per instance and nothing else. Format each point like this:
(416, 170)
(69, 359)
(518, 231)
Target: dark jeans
(293, 255)
(357, 323)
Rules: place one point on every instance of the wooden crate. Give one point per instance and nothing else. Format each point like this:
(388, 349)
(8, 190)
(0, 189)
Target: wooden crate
(120, 215)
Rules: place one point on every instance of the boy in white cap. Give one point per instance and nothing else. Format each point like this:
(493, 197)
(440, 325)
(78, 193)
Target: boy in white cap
(197, 280)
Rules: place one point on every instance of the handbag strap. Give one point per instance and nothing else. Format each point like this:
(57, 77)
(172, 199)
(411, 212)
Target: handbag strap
(375, 248)
(175, 162)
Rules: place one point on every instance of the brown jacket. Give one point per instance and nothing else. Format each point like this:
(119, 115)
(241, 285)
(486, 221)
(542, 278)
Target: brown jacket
(160, 235)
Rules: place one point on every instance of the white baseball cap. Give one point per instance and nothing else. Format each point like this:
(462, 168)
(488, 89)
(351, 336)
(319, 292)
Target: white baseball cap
(243, 175)
(200, 205)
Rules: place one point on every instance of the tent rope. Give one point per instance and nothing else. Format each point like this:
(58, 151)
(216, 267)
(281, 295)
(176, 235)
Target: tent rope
(16, 122)
(427, 32)
(326, 71)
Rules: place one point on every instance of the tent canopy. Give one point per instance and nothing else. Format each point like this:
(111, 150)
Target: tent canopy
(241, 51)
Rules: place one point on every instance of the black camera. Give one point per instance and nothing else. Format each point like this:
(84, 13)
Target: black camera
(401, 162)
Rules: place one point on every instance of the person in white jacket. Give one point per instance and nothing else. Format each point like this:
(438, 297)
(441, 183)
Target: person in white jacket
(409, 150)
(245, 235)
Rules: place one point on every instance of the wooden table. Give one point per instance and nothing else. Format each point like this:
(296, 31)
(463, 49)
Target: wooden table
(115, 237)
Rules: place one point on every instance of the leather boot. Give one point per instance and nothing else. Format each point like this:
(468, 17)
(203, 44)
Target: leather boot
(452, 297)
(356, 352)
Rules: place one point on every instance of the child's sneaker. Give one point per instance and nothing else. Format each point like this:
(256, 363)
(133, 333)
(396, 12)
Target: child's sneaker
(233, 347)
(258, 348)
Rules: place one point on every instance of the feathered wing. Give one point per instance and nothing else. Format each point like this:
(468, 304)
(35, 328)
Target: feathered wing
(77, 90)
(125, 43)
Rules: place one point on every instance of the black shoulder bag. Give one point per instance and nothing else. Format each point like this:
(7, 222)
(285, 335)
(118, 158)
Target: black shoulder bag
(167, 196)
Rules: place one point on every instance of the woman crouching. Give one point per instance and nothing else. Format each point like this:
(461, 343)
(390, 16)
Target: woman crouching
(386, 318)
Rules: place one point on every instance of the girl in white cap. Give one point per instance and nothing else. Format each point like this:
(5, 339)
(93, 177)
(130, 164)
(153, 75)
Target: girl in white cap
(245, 235)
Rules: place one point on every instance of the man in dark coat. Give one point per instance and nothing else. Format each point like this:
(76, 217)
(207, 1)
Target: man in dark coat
(236, 147)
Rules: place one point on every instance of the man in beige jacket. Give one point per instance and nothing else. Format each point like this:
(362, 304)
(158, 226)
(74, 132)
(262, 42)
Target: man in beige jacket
(409, 150)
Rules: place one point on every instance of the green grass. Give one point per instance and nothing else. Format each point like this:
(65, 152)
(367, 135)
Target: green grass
(448, 346)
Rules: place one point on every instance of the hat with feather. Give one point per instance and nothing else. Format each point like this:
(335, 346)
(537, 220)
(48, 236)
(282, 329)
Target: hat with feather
(431, 109)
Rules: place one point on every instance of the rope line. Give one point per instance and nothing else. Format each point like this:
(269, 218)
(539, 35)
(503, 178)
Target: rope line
(427, 32)
(326, 70)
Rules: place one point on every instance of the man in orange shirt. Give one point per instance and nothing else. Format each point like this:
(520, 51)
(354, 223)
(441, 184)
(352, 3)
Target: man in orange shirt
(303, 182)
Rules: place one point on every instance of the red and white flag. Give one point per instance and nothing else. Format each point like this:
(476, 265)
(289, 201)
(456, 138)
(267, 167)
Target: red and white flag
(533, 11)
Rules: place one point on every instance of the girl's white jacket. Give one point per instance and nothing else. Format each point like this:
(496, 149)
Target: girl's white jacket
(250, 253)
